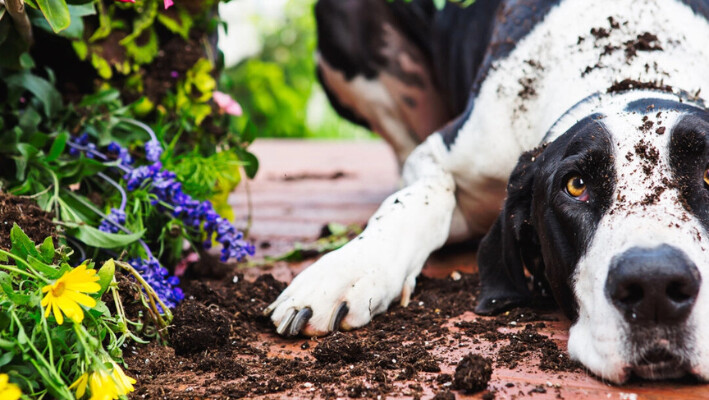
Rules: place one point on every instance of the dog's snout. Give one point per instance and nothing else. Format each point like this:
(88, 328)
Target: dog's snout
(656, 285)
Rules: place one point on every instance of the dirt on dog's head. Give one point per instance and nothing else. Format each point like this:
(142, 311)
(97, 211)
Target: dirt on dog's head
(611, 218)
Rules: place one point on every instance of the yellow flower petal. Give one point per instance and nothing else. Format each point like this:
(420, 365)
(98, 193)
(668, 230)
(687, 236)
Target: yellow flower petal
(80, 385)
(57, 314)
(8, 391)
(86, 287)
(71, 309)
(123, 381)
(102, 386)
(69, 291)
(80, 298)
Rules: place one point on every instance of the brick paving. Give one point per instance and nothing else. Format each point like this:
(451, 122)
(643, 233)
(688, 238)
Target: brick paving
(303, 185)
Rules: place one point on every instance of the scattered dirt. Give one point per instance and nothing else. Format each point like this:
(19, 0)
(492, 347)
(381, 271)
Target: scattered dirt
(223, 347)
(24, 212)
(644, 42)
(472, 373)
(649, 155)
(316, 176)
(629, 84)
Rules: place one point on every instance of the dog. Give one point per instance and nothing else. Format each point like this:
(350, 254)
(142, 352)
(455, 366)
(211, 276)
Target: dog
(571, 134)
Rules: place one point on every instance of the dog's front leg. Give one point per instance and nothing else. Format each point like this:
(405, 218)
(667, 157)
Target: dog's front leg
(346, 288)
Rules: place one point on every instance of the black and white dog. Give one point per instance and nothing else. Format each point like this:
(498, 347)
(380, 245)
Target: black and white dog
(587, 115)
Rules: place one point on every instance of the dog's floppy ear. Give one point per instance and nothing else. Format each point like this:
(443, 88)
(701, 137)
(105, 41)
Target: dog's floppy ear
(511, 244)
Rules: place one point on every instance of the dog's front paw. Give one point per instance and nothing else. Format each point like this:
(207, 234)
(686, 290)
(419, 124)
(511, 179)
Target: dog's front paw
(343, 290)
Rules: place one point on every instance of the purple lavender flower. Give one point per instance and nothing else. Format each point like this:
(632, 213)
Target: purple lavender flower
(153, 150)
(158, 278)
(192, 212)
(121, 152)
(117, 216)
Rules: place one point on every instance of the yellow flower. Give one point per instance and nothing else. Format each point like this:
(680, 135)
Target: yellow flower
(65, 295)
(104, 385)
(8, 391)
(80, 385)
(123, 381)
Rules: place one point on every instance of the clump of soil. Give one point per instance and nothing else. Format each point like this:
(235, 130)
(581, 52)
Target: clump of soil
(472, 373)
(197, 328)
(24, 212)
(643, 42)
(339, 347)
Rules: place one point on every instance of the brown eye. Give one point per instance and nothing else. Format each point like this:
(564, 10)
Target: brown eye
(706, 176)
(576, 187)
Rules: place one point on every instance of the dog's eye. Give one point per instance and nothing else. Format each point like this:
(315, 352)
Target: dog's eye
(576, 187)
(706, 176)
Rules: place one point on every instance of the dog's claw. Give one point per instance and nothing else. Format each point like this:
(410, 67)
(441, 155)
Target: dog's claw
(406, 295)
(299, 321)
(268, 310)
(338, 316)
(285, 322)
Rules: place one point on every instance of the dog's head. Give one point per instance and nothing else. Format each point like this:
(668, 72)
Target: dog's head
(612, 217)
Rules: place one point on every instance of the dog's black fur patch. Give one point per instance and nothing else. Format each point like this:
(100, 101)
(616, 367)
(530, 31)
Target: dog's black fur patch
(543, 228)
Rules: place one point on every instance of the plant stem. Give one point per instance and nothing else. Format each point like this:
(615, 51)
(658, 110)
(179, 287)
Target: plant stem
(17, 271)
(152, 296)
(26, 265)
(124, 197)
(140, 125)
(16, 9)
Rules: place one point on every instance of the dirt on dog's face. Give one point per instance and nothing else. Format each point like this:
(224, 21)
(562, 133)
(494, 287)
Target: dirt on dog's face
(613, 217)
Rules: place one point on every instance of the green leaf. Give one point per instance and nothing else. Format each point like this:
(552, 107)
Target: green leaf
(50, 271)
(81, 49)
(57, 147)
(96, 238)
(56, 12)
(103, 68)
(439, 4)
(105, 276)
(46, 250)
(250, 162)
(145, 52)
(104, 20)
(41, 88)
(22, 245)
(180, 25)
(100, 309)
(15, 296)
(103, 97)
(6, 358)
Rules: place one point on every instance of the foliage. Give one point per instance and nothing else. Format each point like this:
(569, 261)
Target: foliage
(278, 87)
(44, 355)
(113, 184)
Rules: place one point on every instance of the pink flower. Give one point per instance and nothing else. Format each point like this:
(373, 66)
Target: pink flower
(226, 104)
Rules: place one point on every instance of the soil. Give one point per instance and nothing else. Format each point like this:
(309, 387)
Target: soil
(473, 373)
(221, 346)
(316, 176)
(24, 212)
(628, 84)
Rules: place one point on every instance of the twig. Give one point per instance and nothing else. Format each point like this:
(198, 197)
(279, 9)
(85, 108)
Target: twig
(16, 9)
(249, 207)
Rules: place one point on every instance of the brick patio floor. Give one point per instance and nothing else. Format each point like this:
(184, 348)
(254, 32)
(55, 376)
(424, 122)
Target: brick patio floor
(303, 185)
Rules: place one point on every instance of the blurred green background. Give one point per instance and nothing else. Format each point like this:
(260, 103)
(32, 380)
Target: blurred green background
(269, 50)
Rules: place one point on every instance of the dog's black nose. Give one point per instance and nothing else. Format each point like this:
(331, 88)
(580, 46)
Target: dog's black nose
(656, 285)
